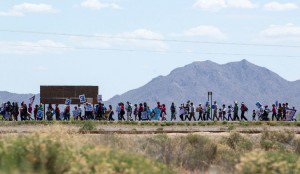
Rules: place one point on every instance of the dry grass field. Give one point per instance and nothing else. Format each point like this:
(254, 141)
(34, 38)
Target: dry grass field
(102, 147)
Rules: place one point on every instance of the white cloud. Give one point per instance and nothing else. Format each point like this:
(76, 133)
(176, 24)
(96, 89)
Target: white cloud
(26, 47)
(215, 5)
(241, 4)
(280, 33)
(211, 5)
(22, 9)
(205, 31)
(140, 38)
(97, 5)
(40, 68)
(276, 6)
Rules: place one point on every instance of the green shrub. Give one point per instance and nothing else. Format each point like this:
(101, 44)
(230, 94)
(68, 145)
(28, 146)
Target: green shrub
(88, 126)
(269, 162)
(285, 136)
(237, 142)
(34, 154)
(296, 145)
(52, 154)
(244, 123)
(266, 144)
(231, 127)
(100, 160)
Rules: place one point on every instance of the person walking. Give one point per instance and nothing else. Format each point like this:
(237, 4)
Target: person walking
(111, 113)
(200, 110)
(181, 112)
(122, 112)
(224, 113)
(192, 112)
(49, 114)
(140, 111)
(67, 113)
(163, 112)
(135, 112)
(129, 111)
(57, 112)
(15, 111)
(173, 112)
(244, 109)
(279, 112)
(215, 111)
(274, 112)
(254, 115)
(236, 112)
(76, 113)
(229, 113)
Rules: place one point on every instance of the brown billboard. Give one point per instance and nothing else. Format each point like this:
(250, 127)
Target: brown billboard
(59, 94)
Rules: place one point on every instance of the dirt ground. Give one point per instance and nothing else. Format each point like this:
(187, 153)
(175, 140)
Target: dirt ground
(146, 130)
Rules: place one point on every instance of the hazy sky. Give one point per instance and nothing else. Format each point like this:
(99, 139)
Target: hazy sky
(117, 64)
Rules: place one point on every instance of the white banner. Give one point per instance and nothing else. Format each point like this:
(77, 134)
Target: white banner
(68, 101)
(99, 98)
(82, 98)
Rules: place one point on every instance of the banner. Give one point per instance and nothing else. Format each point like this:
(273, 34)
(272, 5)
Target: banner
(258, 105)
(31, 99)
(99, 98)
(82, 98)
(68, 101)
(290, 114)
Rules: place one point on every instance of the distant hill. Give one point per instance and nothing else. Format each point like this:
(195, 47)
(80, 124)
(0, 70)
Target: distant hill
(241, 81)
(13, 97)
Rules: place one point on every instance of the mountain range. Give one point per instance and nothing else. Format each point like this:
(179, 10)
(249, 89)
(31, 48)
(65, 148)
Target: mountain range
(236, 81)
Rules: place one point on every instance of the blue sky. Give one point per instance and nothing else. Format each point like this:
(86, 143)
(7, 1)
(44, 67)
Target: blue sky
(30, 60)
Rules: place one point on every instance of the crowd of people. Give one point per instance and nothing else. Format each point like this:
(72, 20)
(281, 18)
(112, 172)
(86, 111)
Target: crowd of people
(143, 112)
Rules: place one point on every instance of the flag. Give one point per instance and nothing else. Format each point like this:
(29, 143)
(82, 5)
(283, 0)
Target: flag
(31, 99)
(258, 105)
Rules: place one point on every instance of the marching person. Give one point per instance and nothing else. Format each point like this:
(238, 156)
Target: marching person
(35, 112)
(253, 115)
(89, 111)
(279, 112)
(229, 113)
(122, 112)
(111, 113)
(40, 115)
(244, 109)
(274, 112)
(173, 112)
(67, 113)
(129, 111)
(215, 111)
(163, 112)
(192, 112)
(181, 112)
(224, 113)
(236, 112)
(135, 112)
(15, 111)
(23, 111)
(49, 113)
(200, 110)
(57, 113)
(76, 113)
